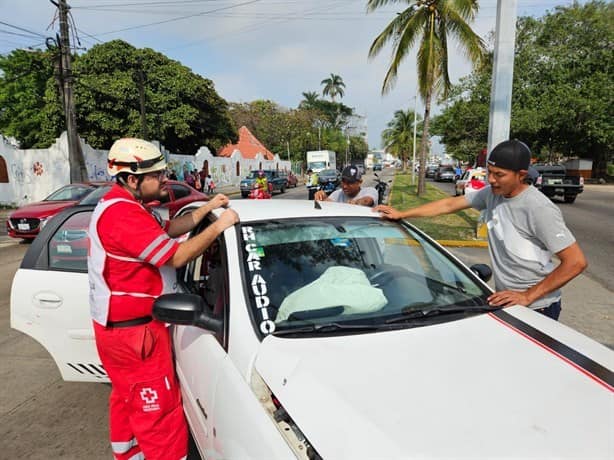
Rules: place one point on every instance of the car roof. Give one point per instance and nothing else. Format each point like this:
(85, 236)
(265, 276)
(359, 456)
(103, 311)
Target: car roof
(256, 210)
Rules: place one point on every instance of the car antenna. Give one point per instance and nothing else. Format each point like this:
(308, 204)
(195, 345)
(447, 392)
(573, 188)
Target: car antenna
(316, 205)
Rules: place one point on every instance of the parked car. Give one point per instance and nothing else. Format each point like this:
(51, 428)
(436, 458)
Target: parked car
(471, 181)
(445, 173)
(329, 333)
(276, 182)
(290, 178)
(431, 170)
(377, 167)
(27, 221)
(69, 247)
(554, 181)
(179, 194)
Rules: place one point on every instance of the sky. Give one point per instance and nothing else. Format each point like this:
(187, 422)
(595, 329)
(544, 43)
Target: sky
(257, 49)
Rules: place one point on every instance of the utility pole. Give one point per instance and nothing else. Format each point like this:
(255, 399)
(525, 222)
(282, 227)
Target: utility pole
(141, 85)
(78, 171)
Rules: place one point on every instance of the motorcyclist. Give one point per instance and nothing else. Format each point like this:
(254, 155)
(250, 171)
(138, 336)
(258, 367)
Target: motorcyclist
(261, 181)
(312, 183)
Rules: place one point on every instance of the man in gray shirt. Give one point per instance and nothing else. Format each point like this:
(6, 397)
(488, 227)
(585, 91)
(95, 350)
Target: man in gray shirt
(524, 229)
(351, 190)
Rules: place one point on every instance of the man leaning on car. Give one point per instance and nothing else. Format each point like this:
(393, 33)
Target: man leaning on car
(132, 261)
(524, 230)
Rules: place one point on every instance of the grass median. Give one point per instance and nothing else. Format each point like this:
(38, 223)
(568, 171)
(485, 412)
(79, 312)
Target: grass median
(459, 226)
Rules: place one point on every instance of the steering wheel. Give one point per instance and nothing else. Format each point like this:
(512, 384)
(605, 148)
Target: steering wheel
(386, 273)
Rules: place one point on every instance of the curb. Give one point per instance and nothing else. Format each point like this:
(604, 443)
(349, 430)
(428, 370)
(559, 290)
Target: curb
(463, 243)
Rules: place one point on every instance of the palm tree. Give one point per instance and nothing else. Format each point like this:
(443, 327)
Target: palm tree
(430, 23)
(398, 137)
(333, 86)
(310, 98)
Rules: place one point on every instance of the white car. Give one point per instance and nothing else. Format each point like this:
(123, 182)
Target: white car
(471, 181)
(322, 331)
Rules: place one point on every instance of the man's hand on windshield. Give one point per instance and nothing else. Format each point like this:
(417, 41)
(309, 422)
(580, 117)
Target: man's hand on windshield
(387, 212)
(507, 298)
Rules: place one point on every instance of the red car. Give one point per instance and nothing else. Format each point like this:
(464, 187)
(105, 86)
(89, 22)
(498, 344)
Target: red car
(69, 246)
(26, 222)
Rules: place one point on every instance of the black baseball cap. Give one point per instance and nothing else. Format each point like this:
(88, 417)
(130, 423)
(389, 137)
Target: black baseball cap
(350, 174)
(512, 154)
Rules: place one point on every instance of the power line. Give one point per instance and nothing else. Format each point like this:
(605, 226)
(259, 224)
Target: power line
(166, 21)
(22, 29)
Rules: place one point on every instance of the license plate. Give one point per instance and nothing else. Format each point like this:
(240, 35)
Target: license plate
(64, 249)
(24, 227)
(559, 190)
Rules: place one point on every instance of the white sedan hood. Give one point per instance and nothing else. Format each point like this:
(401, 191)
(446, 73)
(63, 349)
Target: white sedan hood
(490, 386)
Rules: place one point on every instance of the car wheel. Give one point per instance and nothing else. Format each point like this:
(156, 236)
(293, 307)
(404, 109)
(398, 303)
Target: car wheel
(244, 194)
(282, 189)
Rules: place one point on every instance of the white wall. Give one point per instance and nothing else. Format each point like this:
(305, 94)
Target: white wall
(34, 174)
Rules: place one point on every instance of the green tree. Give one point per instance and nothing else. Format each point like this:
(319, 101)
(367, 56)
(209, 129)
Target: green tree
(26, 77)
(183, 110)
(431, 23)
(463, 124)
(333, 86)
(398, 137)
(310, 100)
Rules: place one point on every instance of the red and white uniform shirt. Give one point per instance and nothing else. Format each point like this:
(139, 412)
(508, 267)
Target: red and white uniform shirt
(128, 250)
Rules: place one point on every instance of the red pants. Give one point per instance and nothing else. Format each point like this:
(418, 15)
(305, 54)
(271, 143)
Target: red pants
(146, 415)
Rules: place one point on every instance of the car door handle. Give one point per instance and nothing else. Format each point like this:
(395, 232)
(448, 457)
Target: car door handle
(47, 300)
(202, 409)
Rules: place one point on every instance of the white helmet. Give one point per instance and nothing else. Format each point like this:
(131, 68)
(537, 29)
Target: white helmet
(134, 156)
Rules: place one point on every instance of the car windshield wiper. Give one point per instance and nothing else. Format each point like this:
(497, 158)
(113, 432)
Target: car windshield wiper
(325, 328)
(413, 313)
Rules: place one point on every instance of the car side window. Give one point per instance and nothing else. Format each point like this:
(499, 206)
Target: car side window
(68, 246)
(180, 191)
(207, 277)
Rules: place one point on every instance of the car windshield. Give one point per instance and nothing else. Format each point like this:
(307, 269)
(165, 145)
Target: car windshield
(345, 271)
(317, 164)
(254, 175)
(70, 193)
(96, 195)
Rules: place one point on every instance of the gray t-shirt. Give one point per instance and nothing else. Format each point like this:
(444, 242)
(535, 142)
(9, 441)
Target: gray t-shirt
(341, 197)
(523, 234)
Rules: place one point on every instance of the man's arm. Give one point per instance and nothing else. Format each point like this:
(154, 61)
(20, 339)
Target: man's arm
(572, 264)
(192, 248)
(434, 208)
(187, 222)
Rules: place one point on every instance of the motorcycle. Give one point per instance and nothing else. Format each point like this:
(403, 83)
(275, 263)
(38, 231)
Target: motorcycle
(258, 193)
(380, 186)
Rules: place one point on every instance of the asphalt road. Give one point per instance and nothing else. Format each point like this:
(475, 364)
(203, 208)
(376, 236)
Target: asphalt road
(591, 220)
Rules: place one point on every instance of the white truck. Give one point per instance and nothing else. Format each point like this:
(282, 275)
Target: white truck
(317, 160)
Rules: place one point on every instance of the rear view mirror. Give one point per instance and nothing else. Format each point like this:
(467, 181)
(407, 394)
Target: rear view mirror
(186, 310)
(483, 271)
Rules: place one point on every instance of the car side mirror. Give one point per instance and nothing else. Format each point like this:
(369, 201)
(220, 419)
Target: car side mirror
(483, 271)
(186, 310)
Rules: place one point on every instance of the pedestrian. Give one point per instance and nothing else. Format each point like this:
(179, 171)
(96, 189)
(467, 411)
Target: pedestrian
(524, 230)
(188, 177)
(210, 184)
(132, 260)
(197, 183)
(351, 190)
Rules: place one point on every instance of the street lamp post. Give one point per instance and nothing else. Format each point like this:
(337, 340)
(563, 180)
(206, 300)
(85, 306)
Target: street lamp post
(413, 161)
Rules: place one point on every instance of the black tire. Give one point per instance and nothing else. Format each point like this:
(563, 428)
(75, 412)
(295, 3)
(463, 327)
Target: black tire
(282, 189)
(570, 198)
(244, 194)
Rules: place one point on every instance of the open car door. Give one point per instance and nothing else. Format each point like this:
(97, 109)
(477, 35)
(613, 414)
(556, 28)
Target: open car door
(49, 296)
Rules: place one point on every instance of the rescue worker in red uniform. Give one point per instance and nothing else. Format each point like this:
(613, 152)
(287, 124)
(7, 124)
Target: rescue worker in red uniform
(132, 260)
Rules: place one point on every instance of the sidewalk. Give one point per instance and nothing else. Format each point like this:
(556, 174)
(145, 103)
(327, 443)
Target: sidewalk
(588, 307)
